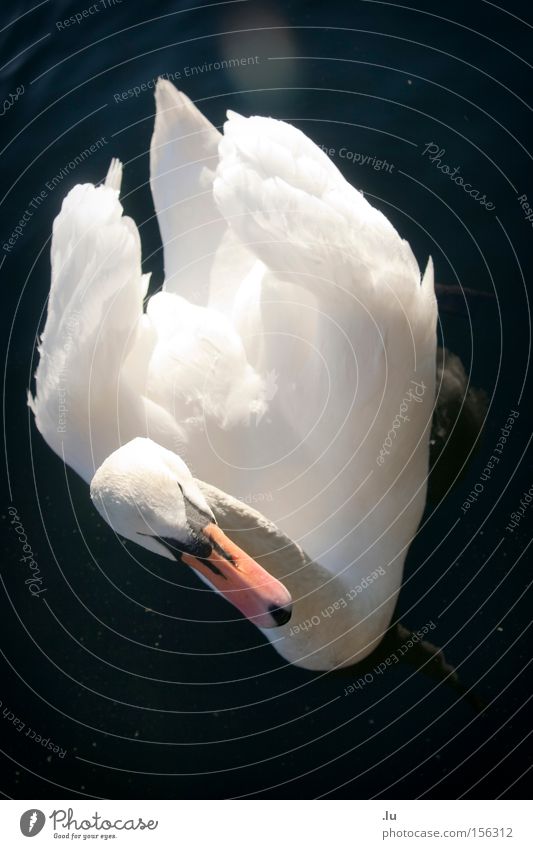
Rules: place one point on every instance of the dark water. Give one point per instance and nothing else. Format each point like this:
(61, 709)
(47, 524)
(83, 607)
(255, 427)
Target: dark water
(118, 668)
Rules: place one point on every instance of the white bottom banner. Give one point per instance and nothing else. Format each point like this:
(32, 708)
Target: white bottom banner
(262, 824)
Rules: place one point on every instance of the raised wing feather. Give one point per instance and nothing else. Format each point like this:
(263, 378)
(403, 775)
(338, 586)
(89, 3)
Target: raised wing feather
(286, 199)
(83, 407)
(183, 159)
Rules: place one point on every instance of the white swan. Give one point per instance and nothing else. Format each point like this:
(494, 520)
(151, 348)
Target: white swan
(289, 362)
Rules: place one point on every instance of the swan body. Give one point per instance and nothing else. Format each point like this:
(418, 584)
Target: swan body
(289, 361)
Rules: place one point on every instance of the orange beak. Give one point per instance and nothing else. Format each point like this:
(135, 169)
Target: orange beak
(242, 581)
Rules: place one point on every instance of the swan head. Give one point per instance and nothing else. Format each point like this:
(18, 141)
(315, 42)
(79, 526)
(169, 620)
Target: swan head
(148, 495)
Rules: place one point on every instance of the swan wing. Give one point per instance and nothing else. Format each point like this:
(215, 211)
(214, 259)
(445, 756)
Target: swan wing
(82, 406)
(183, 159)
(204, 261)
(290, 204)
(345, 350)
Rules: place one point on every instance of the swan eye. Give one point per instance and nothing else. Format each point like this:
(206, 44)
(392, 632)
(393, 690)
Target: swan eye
(198, 545)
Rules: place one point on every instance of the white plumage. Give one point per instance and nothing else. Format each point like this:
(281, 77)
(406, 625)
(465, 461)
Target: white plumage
(283, 354)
